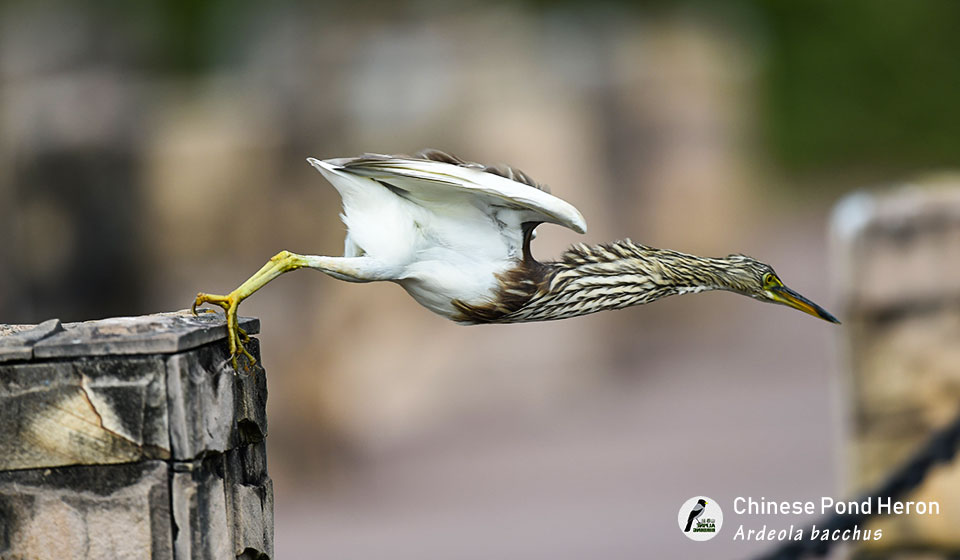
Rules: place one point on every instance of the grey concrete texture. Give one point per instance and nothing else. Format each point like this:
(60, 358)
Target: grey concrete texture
(17, 341)
(223, 506)
(220, 506)
(160, 333)
(115, 452)
(117, 409)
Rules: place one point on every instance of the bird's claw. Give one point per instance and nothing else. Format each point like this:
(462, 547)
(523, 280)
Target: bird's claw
(236, 337)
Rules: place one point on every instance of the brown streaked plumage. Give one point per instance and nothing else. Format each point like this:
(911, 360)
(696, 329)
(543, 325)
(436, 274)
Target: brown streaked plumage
(588, 279)
(456, 236)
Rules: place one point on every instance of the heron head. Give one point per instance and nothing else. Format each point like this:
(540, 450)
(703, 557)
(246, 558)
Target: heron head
(758, 280)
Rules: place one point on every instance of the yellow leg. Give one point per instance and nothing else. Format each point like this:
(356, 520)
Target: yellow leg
(280, 263)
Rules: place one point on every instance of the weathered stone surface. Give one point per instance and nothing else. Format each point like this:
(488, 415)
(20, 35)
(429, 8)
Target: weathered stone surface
(898, 259)
(213, 408)
(163, 333)
(200, 511)
(159, 453)
(111, 410)
(109, 511)
(226, 501)
(16, 341)
(117, 409)
(250, 499)
(222, 507)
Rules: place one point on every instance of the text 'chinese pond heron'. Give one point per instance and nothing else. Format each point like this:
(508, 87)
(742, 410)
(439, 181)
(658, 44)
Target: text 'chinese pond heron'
(456, 236)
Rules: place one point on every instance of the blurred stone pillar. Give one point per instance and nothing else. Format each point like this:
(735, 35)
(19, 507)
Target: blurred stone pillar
(680, 135)
(897, 257)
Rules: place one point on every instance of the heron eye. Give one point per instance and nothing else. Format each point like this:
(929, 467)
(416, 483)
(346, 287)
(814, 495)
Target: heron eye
(770, 280)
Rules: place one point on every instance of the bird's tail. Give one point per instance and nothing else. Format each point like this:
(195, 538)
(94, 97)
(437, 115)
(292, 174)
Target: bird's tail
(689, 524)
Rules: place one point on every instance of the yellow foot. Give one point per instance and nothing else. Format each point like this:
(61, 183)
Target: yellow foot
(235, 335)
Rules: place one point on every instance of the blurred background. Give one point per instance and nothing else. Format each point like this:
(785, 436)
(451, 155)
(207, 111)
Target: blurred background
(151, 150)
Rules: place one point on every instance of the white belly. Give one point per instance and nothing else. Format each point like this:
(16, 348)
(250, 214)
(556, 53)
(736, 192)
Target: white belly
(435, 283)
(438, 256)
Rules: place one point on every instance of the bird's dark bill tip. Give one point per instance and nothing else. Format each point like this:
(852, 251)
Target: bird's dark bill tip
(826, 316)
(797, 301)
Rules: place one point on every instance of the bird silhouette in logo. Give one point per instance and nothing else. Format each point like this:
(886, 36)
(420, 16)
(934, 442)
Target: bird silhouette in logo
(696, 512)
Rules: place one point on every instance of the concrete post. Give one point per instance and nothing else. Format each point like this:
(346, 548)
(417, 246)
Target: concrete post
(131, 438)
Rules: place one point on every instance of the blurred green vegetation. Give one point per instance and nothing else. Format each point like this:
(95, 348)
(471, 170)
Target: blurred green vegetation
(851, 86)
(861, 83)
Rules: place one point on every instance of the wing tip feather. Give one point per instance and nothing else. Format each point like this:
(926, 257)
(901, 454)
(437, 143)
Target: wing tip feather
(580, 225)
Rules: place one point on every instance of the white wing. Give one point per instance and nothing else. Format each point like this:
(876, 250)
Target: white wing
(445, 229)
(438, 183)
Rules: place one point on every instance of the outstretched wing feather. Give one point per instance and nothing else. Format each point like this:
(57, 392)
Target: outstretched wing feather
(436, 176)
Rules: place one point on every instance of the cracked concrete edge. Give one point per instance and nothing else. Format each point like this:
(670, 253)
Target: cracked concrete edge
(248, 488)
(69, 431)
(83, 412)
(187, 404)
(160, 333)
(148, 451)
(17, 343)
(211, 407)
(228, 495)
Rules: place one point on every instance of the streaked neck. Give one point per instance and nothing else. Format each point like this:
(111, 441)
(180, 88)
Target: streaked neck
(622, 274)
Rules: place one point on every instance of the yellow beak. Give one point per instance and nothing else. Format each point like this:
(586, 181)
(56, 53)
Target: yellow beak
(788, 297)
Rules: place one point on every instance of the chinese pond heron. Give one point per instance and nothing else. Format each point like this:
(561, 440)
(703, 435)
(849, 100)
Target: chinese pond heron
(456, 236)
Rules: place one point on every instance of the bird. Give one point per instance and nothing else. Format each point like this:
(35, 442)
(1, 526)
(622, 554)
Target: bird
(696, 512)
(456, 235)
